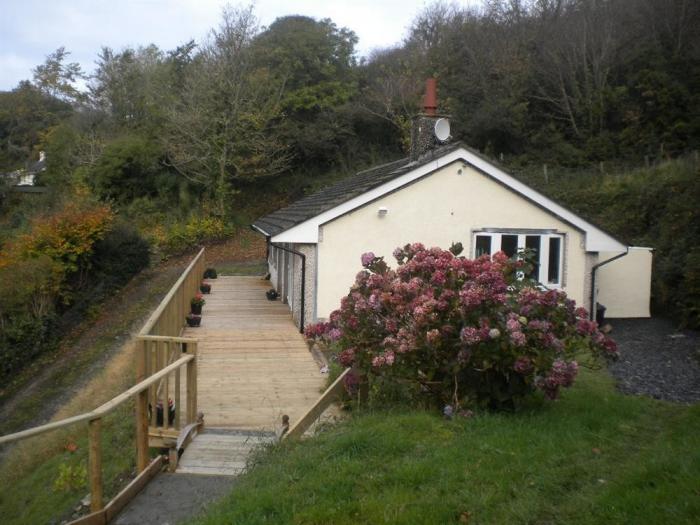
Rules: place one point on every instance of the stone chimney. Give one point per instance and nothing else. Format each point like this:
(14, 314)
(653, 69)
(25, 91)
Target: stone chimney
(423, 137)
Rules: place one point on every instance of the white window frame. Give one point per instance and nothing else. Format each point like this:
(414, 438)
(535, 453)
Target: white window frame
(544, 235)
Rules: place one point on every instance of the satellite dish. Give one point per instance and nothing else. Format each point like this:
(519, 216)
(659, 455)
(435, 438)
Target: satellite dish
(442, 129)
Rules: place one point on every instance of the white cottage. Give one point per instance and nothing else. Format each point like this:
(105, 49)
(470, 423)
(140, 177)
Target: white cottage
(437, 196)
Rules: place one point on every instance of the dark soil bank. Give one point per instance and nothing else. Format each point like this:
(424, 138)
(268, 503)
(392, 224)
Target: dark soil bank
(657, 360)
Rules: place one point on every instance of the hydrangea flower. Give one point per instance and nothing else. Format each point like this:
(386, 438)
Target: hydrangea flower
(367, 259)
(453, 322)
(470, 335)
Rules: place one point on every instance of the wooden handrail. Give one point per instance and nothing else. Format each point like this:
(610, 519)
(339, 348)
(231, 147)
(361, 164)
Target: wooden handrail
(331, 395)
(168, 338)
(153, 319)
(103, 409)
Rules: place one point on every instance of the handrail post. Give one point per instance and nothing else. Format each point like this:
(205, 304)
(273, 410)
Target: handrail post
(192, 386)
(95, 463)
(141, 410)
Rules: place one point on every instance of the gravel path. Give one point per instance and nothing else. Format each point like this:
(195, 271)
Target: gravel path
(174, 498)
(657, 360)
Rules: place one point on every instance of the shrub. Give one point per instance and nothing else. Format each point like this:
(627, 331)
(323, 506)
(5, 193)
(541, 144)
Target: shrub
(70, 477)
(183, 236)
(54, 273)
(129, 167)
(464, 332)
(28, 293)
(23, 338)
(120, 255)
(67, 238)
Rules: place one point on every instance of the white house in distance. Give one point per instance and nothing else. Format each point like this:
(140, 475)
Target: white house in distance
(441, 194)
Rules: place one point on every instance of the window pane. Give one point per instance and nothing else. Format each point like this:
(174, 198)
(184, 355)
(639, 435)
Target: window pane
(532, 243)
(483, 245)
(509, 244)
(554, 260)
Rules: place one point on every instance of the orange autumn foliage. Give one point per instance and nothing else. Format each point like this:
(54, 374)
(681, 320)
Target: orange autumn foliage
(66, 239)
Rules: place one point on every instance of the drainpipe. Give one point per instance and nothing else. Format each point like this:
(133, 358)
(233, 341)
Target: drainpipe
(593, 313)
(303, 280)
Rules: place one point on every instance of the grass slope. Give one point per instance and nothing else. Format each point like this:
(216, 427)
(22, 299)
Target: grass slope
(97, 366)
(595, 456)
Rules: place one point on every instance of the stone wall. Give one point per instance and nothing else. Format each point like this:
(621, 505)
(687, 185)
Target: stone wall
(309, 250)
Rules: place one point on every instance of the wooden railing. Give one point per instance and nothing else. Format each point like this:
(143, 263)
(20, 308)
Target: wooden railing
(164, 414)
(169, 318)
(94, 419)
(159, 345)
(332, 394)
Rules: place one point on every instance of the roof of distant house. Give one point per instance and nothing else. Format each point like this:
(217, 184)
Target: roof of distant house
(36, 167)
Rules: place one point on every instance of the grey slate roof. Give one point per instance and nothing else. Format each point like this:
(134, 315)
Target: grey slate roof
(38, 166)
(332, 196)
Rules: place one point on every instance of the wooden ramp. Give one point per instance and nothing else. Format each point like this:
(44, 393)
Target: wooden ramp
(253, 365)
(221, 452)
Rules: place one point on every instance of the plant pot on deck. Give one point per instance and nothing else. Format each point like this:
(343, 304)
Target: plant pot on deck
(210, 273)
(196, 304)
(205, 288)
(193, 320)
(159, 413)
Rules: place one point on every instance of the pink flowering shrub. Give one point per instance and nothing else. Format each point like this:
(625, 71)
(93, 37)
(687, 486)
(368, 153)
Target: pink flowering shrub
(462, 331)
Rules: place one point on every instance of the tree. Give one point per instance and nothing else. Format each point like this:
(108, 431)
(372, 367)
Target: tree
(391, 89)
(25, 113)
(313, 63)
(57, 78)
(133, 86)
(218, 131)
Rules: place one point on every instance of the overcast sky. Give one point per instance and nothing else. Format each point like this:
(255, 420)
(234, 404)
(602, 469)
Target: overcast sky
(31, 29)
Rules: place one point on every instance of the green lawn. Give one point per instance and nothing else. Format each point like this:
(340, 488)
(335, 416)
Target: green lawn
(242, 268)
(593, 457)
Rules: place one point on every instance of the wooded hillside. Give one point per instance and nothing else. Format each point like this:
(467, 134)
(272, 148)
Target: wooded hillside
(187, 144)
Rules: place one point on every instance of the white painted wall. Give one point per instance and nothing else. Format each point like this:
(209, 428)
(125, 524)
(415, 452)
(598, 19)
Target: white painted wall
(624, 285)
(442, 208)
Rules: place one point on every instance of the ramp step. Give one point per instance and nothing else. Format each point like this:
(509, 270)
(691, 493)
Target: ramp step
(221, 451)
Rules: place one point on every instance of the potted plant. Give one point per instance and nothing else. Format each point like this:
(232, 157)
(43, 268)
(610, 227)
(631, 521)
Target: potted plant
(196, 304)
(210, 273)
(193, 319)
(205, 287)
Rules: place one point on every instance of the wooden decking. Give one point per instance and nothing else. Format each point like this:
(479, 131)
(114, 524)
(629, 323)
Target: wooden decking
(253, 363)
(221, 452)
